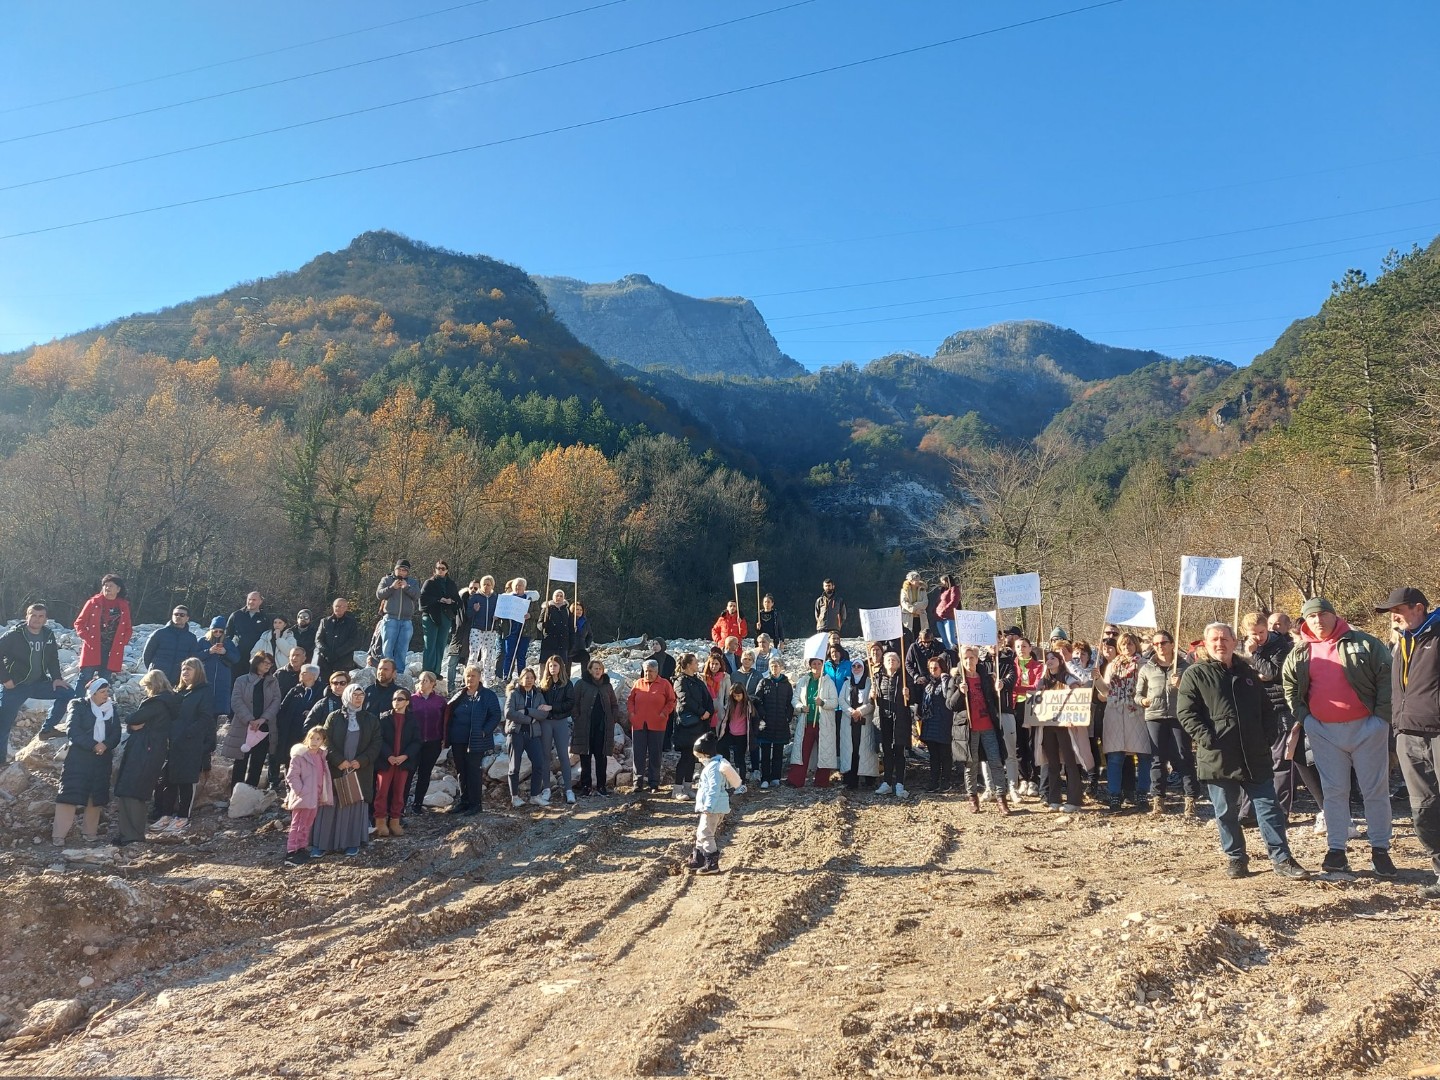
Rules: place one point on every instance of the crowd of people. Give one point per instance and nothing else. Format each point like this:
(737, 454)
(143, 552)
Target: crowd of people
(1242, 718)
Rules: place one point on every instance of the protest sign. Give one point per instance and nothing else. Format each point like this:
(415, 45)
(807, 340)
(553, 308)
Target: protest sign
(1017, 591)
(512, 607)
(880, 624)
(564, 569)
(1215, 578)
(1069, 707)
(746, 572)
(1127, 608)
(976, 628)
(815, 646)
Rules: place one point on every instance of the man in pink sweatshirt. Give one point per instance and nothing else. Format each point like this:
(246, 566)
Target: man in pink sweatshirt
(1337, 683)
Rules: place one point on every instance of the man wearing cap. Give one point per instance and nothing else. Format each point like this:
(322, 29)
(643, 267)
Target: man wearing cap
(1415, 715)
(399, 597)
(243, 630)
(171, 645)
(1337, 683)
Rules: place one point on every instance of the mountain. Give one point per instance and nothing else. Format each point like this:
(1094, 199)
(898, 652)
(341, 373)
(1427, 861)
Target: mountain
(642, 324)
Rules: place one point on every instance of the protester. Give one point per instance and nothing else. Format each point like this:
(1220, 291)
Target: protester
(1056, 747)
(427, 706)
(243, 629)
(30, 670)
(937, 725)
(172, 644)
(439, 607)
(970, 690)
(352, 740)
(649, 705)
(1014, 733)
(525, 712)
(946, 604)
(254, 727)
(332, 700)
(892, 711)
(218, 656)
(716, 675)
(1223, 707)
(557, 728)
(730, 624)
(1266, 652)
(1082, 662)
(94, 732)
(104, 629)
(278, 641)
(733, 726)
(192, 744)
(772, 713)
(712, 802)
(694, 714)
(768, 624)
(310, 788)
(1415, 716)
(337, 638)
(288, 677)
(557, 626)
(918, 657)
(1337, 683)
(399, 752)
(481, 642)
(862, 758)
(1155, 690)
(830, 610)
(914, 605)
(582, 636)
(146, 748)
(295, 705)
(514, 643)
(597, 711)
(1125, 730)
(814, 744)
(472, 716)
(304, 630)
(399, 598)
(380, 693)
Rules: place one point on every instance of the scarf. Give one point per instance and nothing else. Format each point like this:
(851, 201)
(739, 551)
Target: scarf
(102, 713)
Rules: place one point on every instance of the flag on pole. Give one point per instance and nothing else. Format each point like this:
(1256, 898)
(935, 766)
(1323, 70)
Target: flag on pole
(746, 571)
(564, 569)
(1131, 608)
(880, 624)
(1215, 578)
(815, 646)
(1017, 591)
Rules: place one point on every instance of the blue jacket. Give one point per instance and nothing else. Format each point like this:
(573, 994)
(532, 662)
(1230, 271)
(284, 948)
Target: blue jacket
(471, 721)
(219, 673)
(839, 674)
(712, 790)
(168, 648)
(937, 720)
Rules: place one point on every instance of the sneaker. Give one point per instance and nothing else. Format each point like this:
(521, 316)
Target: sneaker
(352, 851)
(178, 826)
(296, 858)
(1067, 808)
(1017, 793)
(764, 785)
(883, 789)
(1032, 789)
(1383, 864)
(900, 792)
(316, 853)
(516, 802)
(1237, 868)
(741, 790)
(543, 799)
(570, 797)
(1354, 830)
(161, 824)
(1289, 868)
(1336, 862)
(1429, 892)
(1319, 828)
(678, 793)
(1053, 807)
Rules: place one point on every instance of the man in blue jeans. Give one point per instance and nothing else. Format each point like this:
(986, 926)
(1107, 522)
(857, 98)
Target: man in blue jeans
(399, 597)
(29, 669)
(1223, 707)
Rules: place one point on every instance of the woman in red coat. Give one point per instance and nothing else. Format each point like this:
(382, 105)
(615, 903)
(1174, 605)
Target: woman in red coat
(104, 628)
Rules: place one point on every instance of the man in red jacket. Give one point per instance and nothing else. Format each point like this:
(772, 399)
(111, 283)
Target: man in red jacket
(729, 624)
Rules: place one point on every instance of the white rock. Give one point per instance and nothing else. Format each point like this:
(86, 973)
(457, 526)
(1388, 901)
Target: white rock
(14, 780)
(42, 755)
(446, 783)
(105, 854)
(439, 798)
(499, 767)
(246, 801)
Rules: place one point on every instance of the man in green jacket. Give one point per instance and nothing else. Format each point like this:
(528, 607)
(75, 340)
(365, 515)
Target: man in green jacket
(1337, 683)
(1223, 707)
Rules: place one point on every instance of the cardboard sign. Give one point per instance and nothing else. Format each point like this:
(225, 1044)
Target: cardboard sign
(564, 569)
(880, 624)
(976, 628)
(512, 607)
(1017, 591)
(745, 571)
(1059, 708)
(1131, 608)
(1215, 578)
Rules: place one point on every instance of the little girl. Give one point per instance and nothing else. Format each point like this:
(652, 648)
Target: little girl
(310, 788)
(712, 801)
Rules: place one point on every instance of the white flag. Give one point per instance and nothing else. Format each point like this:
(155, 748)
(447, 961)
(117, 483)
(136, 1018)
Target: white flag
(816, 646)
(510, 606)
(1131, 608)
(746, 571)
(880, 624)
(976, 628)
(1216, 578)
(1017, 591)
(564, 569)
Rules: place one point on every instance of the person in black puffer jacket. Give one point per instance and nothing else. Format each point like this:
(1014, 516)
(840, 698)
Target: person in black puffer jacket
(144, 755)
(694, 711)
(192, 742)
(772, 720)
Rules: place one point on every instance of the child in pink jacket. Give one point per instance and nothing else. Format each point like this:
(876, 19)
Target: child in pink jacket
(310, 788)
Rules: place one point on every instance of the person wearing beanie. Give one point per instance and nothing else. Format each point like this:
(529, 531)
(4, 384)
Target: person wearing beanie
(1337, 683)
(399, 598)
(1415, 715)
(712, 801)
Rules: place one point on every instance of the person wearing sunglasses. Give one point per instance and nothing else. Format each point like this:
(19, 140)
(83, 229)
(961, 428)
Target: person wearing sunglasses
(1155, 690)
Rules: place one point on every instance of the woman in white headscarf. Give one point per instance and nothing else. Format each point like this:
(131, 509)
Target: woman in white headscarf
(85, 779)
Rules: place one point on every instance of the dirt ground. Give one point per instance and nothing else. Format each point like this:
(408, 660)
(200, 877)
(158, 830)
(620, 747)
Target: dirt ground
(848, 936)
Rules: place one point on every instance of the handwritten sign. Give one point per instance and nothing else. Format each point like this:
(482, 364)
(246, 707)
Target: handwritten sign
(1017, 591)
(564, 569)
(512, 607)
(976, 628)
(1059, 708)
(745, 572)
(1131, 608)
(1216, 578)
(880, 624)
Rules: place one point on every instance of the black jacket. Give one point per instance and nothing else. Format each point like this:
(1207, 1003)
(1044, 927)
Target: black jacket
(937, 715)
(1228, 714)
(147, 747)
(317, 713)
(305, 638)
(335, 642)
(917, 662)
(295, 706)
(192, 738)
(692, 696)
(557, 627)
(588, 692)
(773, 709)
(410, 742)
(243, 629)
(437, 588)
(768, 622)
(86, 774)
(561, 699)
(889, 698)
(17, 662)
(1268, 662)
(1415, 680)
(380, 699)
(667, 665)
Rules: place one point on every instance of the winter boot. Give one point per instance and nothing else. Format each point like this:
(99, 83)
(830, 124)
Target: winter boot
(712, 863)
(395, 829)
(697, 858)
(1004, 805)
(1190, 810)
(1157, 805)
(381, 828)
(974, 804)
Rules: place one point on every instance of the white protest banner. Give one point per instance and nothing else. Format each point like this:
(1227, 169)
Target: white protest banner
(1215, 578)
(512, 607)
(976, 628)
(880, 624)
(816, 646)
(1059, 708)
(564, 569)
(1131, 608)
(1017, 591)
(746, 571)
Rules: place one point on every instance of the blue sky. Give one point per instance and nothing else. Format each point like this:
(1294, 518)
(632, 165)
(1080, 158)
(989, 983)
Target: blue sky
(1173, 174)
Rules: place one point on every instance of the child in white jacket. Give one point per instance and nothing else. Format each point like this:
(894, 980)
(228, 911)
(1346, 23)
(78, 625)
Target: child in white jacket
(712, 801)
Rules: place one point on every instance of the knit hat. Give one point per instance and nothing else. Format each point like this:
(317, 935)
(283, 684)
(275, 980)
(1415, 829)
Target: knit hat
(1058, 634)
(217, 623)
(707, 744)
(402, 564)
(303, 613)
(1315, 605)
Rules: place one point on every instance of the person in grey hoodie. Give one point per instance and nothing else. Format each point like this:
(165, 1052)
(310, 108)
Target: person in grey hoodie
(1156, 689)
(400, 597)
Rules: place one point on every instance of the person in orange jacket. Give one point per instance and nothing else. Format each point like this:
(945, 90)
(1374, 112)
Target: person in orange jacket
(729, 624)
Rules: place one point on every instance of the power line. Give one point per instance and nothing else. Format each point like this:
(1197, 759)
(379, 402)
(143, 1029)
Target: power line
(312, 74)
(412, 100)
(563, 128)
(240, 59)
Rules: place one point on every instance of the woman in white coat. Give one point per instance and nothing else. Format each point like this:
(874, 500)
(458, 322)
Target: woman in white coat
(815, 700)
(860, 738)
